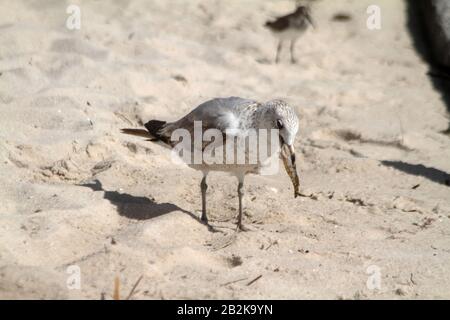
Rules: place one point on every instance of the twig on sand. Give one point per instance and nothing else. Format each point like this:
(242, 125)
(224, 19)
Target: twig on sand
(254, 280)
(412, 280)
(234, 281)
(116, 294)
(134, 287)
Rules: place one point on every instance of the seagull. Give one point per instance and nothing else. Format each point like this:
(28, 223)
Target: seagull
(290, 27)
(231, 117)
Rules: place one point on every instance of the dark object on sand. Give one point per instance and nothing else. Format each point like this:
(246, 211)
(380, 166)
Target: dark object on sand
(437, 22)
(341, 17)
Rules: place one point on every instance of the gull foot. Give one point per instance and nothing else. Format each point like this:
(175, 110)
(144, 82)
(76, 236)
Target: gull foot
(241, 227)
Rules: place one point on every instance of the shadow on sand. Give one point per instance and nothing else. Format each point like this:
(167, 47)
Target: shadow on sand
(133, 207)
(439, 75)
(432, 174)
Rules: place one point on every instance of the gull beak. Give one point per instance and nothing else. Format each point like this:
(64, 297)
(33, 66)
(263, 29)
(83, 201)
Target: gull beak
(288, 157)
(311, 21)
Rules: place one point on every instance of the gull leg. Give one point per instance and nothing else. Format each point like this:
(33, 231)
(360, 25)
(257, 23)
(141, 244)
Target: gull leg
(240, 195)
(204, 187)
(292, 51)
(277, 58)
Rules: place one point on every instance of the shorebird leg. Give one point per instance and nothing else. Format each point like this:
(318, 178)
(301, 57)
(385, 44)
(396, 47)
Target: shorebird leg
(277, 58)
(240, 226)
(292, 52)
(204, 187)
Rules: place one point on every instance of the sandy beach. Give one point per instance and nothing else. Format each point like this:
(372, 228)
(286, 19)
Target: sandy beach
(76, 194)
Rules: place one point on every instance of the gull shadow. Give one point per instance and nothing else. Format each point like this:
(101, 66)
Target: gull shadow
(135, 207)
(432, 174)
(439, 75)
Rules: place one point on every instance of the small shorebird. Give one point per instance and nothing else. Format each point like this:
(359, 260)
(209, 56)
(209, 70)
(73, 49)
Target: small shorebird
(290, 27)
(231, 117)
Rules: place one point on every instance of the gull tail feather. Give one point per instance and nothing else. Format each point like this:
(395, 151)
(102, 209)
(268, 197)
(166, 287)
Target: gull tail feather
(154, 127)
(139, 133)
(152, 133)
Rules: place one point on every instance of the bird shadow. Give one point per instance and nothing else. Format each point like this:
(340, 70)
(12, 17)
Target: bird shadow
(432, 174)
(439, 75)
(140, 208)
(135, 207)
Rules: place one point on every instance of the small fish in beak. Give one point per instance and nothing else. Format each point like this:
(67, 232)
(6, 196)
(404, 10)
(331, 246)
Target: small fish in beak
(288, 157)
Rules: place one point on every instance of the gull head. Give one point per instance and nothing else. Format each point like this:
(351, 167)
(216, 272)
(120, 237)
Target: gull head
(304, 11)
(282, 117)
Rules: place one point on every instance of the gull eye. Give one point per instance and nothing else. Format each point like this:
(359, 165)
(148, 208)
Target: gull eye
(279, 124)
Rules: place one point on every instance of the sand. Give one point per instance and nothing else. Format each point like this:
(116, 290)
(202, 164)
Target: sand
(76, 193)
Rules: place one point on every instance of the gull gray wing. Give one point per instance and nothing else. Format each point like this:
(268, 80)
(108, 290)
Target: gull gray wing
(218, 113)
